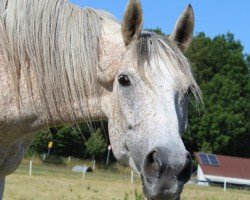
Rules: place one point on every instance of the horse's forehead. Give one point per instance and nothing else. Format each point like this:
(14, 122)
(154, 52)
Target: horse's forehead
(115, 57)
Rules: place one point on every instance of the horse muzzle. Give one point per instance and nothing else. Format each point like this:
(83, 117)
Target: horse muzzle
(164, 179)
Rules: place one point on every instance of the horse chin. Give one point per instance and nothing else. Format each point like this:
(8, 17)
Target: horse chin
(162, 191)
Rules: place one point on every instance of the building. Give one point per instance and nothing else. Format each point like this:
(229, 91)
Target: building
(218, 169)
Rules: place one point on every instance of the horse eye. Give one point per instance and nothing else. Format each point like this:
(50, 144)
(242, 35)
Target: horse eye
(124, 80)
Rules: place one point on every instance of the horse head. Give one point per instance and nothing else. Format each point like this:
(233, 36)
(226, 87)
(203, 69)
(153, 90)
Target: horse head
(147, 102)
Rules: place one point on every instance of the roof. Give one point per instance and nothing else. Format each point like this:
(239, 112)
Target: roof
(233, 167)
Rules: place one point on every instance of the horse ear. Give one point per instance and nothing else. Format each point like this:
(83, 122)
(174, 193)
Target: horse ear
(183, 32)
(132, 21)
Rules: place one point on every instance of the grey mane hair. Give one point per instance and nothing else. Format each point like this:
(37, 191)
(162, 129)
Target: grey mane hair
(151, 45)
(59, 42)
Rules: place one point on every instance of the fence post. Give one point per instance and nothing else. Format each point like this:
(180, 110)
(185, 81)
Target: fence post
(109, 149)
(30, 170)
(225, 185)
(132, 177)
(93, 165)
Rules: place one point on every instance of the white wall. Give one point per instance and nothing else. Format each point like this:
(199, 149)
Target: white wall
(201, 177)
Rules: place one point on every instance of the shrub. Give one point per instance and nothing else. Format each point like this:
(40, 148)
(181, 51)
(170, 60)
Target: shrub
(56, 160)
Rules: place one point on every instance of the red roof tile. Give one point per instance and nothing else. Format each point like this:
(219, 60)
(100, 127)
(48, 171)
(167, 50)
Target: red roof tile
(233, 167)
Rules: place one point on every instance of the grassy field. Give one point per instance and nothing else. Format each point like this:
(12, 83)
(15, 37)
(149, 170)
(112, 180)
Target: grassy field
(52, 183)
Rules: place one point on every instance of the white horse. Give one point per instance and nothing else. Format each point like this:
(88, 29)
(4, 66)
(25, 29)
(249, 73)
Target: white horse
(63, 64)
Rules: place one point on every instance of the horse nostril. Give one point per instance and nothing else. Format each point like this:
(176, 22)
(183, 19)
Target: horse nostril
(152, 164)
(153, 157)
(186, 171)
(155, 164)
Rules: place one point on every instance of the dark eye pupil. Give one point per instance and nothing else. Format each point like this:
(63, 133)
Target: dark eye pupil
(123, 80)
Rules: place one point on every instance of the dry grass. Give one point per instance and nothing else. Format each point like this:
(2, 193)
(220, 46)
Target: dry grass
(52, 183)
(194, 192)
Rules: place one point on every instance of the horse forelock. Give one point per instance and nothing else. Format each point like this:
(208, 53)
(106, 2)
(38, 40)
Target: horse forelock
(150, 47)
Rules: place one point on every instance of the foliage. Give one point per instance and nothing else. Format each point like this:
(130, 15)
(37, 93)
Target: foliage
(67, 140)
(248, 62)
(96, 144)
(221, 71)
(156, 30)
(57, 160)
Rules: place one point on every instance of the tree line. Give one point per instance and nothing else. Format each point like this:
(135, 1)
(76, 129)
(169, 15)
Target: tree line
(221, 125)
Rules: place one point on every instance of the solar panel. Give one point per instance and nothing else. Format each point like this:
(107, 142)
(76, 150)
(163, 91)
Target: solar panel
(208, 159)
(204, 159)
(213, 160)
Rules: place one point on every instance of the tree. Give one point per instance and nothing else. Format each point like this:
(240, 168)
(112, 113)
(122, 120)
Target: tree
(248, 61)
(96, 144)
(222, 72)
(68, 140)
(156, 30)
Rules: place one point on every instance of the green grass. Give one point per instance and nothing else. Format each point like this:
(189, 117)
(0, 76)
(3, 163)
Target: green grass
(53, 182)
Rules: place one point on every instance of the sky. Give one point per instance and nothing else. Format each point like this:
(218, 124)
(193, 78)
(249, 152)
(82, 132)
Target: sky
(213, 17)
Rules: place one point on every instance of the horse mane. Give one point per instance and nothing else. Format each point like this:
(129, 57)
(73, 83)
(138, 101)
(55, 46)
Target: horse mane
(152, 45)
(59, 42)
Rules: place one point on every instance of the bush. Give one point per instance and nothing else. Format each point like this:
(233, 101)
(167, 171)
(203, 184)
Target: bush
(56, 160)
(96, 144)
